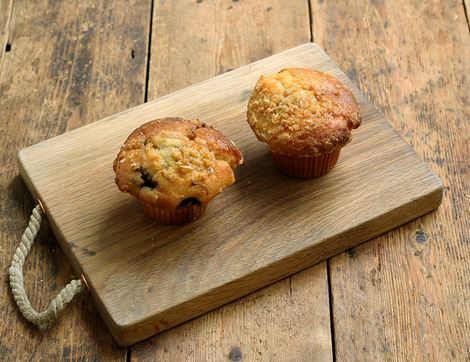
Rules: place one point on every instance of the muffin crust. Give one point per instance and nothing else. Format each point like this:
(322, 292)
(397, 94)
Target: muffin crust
(302, 112)
(173, 163)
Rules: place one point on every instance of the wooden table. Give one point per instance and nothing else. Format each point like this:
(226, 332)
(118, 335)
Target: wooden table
(403, 296)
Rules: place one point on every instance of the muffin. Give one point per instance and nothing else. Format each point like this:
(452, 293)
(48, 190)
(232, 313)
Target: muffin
(305, 116)
(175, 167)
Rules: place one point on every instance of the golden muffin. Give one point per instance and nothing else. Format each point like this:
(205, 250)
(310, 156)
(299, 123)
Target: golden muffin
(305, 116)
(175, 167)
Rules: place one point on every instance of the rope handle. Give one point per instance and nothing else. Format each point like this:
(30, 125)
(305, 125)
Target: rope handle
(45, 318)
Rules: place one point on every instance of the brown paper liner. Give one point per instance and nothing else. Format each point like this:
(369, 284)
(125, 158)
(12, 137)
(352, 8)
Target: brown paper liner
(173, 216)
(306, 167)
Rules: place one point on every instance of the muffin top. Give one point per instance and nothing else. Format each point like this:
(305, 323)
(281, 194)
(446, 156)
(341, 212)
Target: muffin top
(302, 112)
(173, 162)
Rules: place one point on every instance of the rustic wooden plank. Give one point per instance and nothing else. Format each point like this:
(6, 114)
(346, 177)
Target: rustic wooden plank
(221, 36)
(239, 35)
(405, 295)
(69, 64)
(211, 37)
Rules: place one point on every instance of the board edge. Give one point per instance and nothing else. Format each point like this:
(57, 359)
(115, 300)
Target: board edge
(55, 229)
(126, 334)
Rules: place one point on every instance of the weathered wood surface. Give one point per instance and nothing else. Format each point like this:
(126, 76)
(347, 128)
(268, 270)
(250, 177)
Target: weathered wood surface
(70, 63)
(233, 331)
(80, 335)
(213, 37)
(406, 295)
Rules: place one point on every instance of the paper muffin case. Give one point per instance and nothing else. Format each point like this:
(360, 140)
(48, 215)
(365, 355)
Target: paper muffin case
(173, 216)
(306, 167)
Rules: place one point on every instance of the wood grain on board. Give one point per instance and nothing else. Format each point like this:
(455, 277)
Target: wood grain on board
(69, 63)
(146, 278)
(406, 294)
(274, 323)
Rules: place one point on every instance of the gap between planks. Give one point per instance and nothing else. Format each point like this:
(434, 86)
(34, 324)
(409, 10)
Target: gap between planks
(466, 5)
(146, 92)
(149, 53)
(327, 261)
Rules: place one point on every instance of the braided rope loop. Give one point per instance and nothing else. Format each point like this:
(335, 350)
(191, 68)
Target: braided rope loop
(45, 318)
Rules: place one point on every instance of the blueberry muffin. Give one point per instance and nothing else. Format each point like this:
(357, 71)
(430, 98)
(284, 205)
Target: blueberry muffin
(305, 116)
(175, 167)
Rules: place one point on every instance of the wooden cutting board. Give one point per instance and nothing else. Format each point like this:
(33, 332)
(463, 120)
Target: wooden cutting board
(146, 278)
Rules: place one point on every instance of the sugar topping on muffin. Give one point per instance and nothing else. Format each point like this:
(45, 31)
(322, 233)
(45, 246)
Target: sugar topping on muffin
(302, 112)
(173, 163)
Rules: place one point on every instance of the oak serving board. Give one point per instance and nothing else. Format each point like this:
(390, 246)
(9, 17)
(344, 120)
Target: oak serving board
(146, 278)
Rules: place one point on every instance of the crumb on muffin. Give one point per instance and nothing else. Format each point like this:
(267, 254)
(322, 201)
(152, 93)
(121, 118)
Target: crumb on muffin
(302, 112)
(173, 163)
